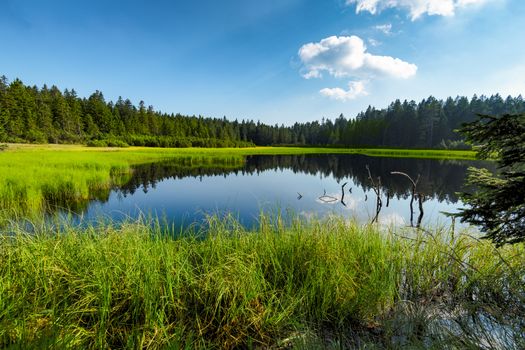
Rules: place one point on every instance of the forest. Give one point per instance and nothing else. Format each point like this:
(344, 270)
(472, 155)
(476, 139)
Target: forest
(29, 114)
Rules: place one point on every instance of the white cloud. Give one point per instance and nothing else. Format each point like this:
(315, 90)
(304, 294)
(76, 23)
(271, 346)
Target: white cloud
(355, 89)
(462, 3)
(374, 42)
(417, 8)
(385, 28)
(312, 74)
(347, 56)
(365, 5)
(391, 66)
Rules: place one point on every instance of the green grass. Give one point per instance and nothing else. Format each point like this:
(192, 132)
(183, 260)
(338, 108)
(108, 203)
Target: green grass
(156, 152)
(307, 285)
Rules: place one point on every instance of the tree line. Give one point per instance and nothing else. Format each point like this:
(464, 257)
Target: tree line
(49, 115)
(42, 115)
(431, 123)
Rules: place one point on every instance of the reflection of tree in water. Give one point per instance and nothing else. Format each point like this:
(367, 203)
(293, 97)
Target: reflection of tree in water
(147, 176)
(143, 176)
(75, 205)
(440, 179)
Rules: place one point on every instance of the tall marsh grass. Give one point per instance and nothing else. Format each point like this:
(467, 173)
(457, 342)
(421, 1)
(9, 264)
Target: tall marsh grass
(306, 285)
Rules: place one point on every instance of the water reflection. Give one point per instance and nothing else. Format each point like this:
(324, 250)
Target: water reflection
(439, 179)
(355, 186)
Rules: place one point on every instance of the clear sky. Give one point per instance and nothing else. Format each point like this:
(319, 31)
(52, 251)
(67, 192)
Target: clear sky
(278, 61)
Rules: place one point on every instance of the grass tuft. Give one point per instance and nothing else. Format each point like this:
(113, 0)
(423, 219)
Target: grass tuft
(305, 285)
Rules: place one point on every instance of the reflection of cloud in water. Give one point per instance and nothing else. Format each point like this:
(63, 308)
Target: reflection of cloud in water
(308, 215)
(314, 215)
(351, 203)
(392, 219)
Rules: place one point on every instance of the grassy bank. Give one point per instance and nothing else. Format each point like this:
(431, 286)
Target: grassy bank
(322, 284)
(156, 152)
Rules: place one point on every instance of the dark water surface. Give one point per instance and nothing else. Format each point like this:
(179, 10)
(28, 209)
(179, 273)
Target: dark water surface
(306, 185)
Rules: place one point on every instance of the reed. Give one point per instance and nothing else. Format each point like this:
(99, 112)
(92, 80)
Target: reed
(328, 283)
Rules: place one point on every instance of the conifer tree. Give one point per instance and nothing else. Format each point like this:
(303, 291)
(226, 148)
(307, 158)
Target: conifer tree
(498, 204)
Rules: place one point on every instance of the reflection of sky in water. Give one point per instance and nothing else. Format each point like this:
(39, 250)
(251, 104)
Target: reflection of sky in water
(184, 201)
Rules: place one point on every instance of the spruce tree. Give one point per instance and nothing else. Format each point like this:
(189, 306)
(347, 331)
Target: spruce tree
(498, 204)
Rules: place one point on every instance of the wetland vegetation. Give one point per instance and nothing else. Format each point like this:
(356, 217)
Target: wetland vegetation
(325, 282)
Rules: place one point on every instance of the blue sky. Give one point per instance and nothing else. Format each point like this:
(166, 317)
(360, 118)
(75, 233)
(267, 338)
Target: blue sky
(278, 61)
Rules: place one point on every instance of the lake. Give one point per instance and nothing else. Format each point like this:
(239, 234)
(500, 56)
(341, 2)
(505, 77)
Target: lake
(308, 186)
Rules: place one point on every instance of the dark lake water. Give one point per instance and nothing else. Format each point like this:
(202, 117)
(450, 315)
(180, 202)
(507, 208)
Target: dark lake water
(308, 186)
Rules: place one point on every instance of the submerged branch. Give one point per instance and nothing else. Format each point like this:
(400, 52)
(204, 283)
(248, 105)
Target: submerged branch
(414, 189)
(377, 190)
(343, 194)
(421, 198)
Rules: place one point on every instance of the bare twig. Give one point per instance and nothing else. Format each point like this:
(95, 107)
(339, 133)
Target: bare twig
(414, 183)
(414, 188)
(377, 190)
(343, 194)
(421, 198)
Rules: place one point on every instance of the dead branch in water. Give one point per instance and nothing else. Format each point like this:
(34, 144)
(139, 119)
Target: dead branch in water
(414, 189)
(414, 183)
(377, 190)
(331, 199)
(421, 198)
(343, 194)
